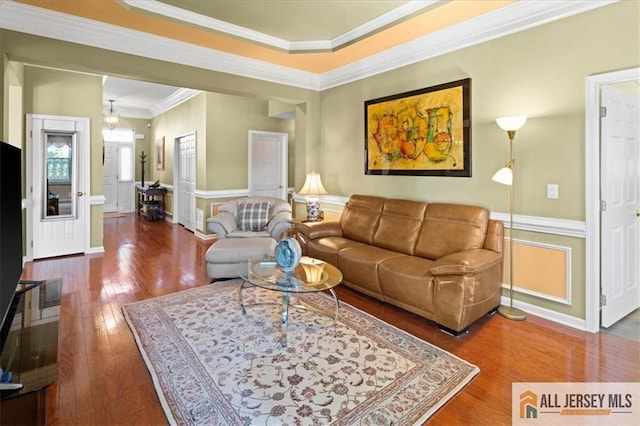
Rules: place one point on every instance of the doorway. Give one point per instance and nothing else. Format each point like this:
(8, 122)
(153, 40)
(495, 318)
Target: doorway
(118, 169)
(57, 172)
(597, 254)
(268, 174)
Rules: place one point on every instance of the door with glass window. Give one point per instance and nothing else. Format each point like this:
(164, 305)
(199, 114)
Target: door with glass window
(58, 178)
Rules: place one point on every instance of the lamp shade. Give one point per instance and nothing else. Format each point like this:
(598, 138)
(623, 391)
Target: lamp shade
(312, 185)
(511, 123)
(504, 175)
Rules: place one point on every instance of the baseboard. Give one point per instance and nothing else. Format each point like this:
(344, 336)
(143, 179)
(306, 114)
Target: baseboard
(548, 314)
(95, 250)
(205, 237)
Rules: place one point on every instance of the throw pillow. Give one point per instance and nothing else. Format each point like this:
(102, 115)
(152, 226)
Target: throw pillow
(253, 216)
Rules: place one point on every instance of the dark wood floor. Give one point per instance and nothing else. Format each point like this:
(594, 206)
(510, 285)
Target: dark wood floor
(103, 380)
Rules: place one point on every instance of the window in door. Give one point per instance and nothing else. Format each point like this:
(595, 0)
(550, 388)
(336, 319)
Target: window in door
(125, 163)
(59, 175)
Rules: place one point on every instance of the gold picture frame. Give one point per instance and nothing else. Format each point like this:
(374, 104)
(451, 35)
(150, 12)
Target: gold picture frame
(425, 132)
(160, 153)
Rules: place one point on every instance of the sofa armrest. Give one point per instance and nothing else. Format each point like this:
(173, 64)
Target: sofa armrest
(222, 224)
(278, 224)
(466, 262)
(314, 230)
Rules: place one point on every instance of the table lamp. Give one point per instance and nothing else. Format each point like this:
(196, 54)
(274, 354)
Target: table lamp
(312, 188)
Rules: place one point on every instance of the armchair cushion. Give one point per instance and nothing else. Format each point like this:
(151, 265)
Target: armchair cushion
(226, 220)
(253, 216)
(244, 218)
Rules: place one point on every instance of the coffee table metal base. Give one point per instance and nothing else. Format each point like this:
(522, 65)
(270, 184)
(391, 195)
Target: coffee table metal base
(284, 316)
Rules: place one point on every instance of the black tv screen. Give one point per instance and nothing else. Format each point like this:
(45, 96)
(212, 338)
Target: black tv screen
(10, 230)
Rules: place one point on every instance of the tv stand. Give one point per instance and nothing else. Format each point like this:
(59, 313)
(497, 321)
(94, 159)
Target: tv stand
(30, 353)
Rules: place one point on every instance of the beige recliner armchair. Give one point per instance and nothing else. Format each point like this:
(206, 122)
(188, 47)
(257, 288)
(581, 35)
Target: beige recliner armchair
(248, 228)
(253, 217)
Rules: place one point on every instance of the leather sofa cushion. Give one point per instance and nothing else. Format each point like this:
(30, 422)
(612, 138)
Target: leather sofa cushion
(399, 225)
(327, 248)
(360, 217)
(451, 228)
(359, 264)
(405, 281)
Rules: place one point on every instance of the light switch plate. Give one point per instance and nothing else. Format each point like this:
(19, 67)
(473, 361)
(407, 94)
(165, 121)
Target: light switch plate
(552, 191)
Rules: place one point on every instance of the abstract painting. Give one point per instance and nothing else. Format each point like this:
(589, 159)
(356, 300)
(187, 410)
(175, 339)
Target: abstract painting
(424, 132)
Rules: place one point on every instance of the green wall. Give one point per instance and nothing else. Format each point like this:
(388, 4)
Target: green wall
(185, 118)
(540, 73)
(55, 92)
(229, 119)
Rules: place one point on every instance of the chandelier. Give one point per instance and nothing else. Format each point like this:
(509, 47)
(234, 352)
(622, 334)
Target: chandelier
(111, 118)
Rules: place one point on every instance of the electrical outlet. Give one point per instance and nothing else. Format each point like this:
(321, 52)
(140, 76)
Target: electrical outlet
(552, 191)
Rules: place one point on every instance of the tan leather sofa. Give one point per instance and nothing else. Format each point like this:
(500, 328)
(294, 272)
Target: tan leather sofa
(440, 261)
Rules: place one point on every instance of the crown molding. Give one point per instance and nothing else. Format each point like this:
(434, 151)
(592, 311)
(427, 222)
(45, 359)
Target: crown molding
(510, 19)
(370, 27)
(516, 17)
(193, 18)
(46, 23)
(175, 99)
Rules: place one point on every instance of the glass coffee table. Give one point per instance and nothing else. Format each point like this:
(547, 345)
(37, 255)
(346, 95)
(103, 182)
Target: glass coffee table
(310, 276)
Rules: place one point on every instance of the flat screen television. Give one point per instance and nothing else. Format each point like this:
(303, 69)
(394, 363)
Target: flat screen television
(10, 233)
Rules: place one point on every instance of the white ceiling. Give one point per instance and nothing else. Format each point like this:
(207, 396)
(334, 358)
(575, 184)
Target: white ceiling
(139, 99)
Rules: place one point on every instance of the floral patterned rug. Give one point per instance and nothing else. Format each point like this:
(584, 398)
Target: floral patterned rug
(211, 365)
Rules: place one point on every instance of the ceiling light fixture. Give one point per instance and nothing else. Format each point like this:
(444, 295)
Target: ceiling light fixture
(111, 118)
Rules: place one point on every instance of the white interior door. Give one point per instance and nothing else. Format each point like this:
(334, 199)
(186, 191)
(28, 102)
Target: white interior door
(620, 188)
(59, 207)
(110, 177)
(268, 175)
(118, 170)
(187, 181)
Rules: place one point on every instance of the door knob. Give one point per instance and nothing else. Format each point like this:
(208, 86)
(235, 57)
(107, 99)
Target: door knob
(80, 193)
(638, 213)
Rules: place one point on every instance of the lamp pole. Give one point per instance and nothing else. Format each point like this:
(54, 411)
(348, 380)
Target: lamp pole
(511, 312)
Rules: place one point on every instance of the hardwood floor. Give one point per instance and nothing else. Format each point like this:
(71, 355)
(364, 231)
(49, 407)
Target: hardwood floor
(103, 381)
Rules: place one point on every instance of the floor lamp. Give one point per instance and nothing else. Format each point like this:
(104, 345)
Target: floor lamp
(505, 177)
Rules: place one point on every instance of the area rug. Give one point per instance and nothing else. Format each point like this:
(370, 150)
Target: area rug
(212, 365)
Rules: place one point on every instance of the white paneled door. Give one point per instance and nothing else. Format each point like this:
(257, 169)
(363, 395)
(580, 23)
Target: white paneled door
(268, 176)
(110, 177)
(620, 187)
(187, 181)
(58, 177)
(118, 169)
